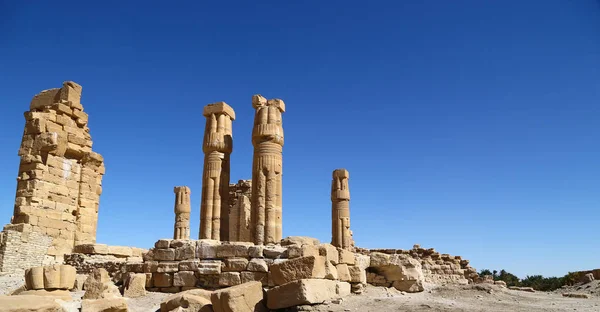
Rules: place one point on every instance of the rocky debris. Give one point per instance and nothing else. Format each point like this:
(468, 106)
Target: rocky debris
(500, 283)
(195, 300)
(527, 289)
(50, 277)
(399, 271)
(305, 291)
(576, 295)
(247, 297)
(29, 303)
(104, 305)
(298, 268)
(587, 278)
(99, 285)
(135, 285)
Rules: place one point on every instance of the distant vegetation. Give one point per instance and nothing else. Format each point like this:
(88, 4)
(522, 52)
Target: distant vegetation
(537, 282)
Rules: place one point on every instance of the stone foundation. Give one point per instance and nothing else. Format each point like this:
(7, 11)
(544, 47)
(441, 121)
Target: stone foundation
(177, 265)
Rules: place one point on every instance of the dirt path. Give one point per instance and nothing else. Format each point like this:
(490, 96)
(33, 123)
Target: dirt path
(458, 298)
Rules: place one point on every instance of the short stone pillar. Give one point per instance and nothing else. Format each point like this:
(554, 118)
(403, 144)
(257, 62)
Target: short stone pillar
(217, 147)
(267, 138)
(341, 235)
(182, 212)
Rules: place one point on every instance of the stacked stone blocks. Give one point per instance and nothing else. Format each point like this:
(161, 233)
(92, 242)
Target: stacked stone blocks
(60, 177)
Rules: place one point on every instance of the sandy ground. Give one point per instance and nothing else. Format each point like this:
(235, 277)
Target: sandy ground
(468, 298)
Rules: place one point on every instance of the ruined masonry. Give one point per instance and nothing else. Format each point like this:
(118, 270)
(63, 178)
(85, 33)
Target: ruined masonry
(239, 211)
(182, 212)
(267, 138)
(240, 260)
(59, 181)
(341, 235)
(218, 143)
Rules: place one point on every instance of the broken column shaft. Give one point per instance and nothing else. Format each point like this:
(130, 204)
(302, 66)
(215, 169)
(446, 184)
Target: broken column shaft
(341, 236)
(182, 212)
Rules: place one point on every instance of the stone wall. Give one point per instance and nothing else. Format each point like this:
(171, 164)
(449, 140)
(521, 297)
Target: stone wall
(88, 257)
(437, 268)
(20, 248)
(59, 180)
(176, 265)
(239, 211)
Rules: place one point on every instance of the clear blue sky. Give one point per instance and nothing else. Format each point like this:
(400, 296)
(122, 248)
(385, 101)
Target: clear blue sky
(467, 126)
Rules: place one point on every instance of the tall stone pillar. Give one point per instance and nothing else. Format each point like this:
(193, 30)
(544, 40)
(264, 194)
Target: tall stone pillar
(217, 147)
(182, 212)
(341, 236)
(267, 138)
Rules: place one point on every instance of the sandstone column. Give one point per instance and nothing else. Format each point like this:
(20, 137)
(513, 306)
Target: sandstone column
(267, 138)
(341, 236)
(182, 212)
(217, 147)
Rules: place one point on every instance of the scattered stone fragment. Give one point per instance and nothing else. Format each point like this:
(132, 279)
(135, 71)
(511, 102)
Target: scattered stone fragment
(104, 305)
(247, 297)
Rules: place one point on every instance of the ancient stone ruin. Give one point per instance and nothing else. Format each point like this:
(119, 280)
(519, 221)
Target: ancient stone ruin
(267, 138)
(182, 212)
(59, 181)
(240, 251)
(341, 235)
(218, 143)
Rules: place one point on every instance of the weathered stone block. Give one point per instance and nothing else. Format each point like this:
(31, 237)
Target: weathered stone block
(274, 252)
(162, 279)
(256, 251)
(247, 297)
(295, 251)
(209, 267)
(167, 267)
(346, 256)
(190, 300)
(232, 250)
(298, 268)
(299, 240)
(235, 264)
(262, 277)
(330, 253)
(135, 285)
(104, 305)
(185, 252)
(120, 251)
(258, 265)
(343, 272)
(301, 292)
(207, 249)
(229, 279)
(162, 243)
(91, 249)
(357, 275)
(185, 279)
(167, 254)
(188, 265)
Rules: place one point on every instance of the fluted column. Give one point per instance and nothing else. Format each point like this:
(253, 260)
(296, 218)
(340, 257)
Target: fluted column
(341, 236)
(182, 212)
(217, 147)
(267, 138)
